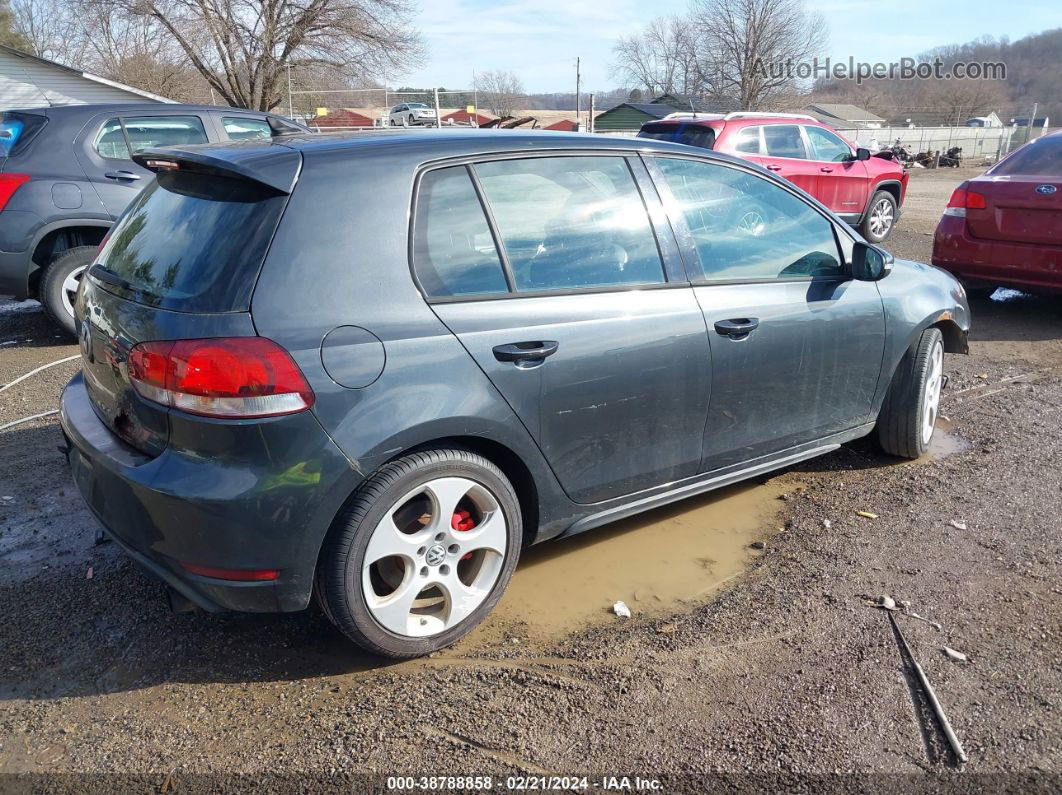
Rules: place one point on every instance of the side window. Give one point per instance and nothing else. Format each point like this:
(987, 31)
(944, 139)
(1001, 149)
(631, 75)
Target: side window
(245, 128)
(145, 132)
(453, 251)
(783, 140)
(827, 146)
(747, 141)
(571, 222)
(747, 228)
(110, 141)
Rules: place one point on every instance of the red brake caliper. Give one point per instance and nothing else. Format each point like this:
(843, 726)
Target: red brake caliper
(462, 522)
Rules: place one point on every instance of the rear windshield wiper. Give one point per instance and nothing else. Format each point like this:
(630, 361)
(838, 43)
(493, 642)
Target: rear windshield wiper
(104, 274)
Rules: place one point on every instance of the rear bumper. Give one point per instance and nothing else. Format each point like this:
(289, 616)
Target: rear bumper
(265, 507)
(973, 260)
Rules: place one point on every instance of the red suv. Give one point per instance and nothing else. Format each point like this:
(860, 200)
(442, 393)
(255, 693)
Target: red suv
(1005, 226)
(865, 191)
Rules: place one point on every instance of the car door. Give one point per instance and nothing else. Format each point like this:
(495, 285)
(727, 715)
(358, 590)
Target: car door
(786, 154)
(105, 149)
(842, 179)
(581, 319)
(796, 344)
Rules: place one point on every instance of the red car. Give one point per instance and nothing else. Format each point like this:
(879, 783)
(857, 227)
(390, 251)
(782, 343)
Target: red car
(866, 191)
(1005, 226)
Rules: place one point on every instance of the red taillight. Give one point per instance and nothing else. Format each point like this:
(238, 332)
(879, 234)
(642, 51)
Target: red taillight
(9, 183)
(238, 575)
(224, 377)
(962, 200)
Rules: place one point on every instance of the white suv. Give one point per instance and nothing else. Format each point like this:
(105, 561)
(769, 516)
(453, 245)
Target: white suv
(409, 113)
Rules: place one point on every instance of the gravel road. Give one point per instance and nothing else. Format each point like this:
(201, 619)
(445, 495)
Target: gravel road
(755, 669)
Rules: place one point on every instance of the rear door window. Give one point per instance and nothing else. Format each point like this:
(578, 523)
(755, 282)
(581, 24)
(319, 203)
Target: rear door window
(245, 128)
(571, 222)
(110, 141)
(191, 243)
(145, 132)
(828, 146)
(784, 140)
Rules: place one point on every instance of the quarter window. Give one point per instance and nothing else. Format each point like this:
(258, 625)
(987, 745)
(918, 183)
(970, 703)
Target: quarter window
(783, 140)
(571, 222)
(747, 141)
(110, 141)
(746, 228)
(828, 146)
(453, 251)
(245, 128)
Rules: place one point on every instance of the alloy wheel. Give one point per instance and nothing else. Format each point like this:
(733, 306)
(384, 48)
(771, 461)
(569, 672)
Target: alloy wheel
(69, 291)
(881, 218)
(931, 400)
(434, 557)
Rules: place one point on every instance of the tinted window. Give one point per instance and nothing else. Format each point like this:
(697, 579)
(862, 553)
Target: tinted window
(828, 146)
(570, 222)
(783, 140)
(689, 134)
(453, 250)
(192, 243)
(148, 131)
(110, 141)
(747, 141)
(245, 128)
(1042, 157)
(745, 227)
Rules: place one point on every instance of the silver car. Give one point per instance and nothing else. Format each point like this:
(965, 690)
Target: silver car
(409, 114)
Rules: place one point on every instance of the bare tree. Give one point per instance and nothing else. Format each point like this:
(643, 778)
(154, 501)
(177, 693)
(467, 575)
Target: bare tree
(662, 58)
(243, 48)
(500, 91)
(747, 46)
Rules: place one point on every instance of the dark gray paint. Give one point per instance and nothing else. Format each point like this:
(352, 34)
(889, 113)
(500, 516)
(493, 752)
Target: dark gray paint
(643, 403)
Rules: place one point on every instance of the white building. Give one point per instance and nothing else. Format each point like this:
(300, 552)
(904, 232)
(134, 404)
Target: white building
(27, 81)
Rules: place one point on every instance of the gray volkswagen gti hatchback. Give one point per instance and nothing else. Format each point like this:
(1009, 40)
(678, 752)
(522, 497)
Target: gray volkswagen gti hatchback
(372, 369)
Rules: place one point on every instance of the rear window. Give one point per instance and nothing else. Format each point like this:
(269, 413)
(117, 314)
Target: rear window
(17, 130)
(191, 243)
(689, 134)
(1042, 157)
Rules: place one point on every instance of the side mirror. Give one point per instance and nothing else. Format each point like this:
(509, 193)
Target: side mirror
(870, 263)
(862, 154)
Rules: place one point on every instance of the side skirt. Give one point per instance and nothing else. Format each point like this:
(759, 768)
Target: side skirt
(715, 480)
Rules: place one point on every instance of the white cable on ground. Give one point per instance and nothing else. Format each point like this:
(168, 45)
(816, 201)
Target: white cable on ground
(37, 370)
(7, 425)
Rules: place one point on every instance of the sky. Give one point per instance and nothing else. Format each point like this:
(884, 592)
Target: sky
(540, 39)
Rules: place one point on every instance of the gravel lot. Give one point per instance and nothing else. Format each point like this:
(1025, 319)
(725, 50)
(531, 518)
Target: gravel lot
(765, 665)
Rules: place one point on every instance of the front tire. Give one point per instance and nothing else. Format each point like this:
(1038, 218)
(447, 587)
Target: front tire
(59, 285)
(909, 414)
(880, 217)
(421, 554)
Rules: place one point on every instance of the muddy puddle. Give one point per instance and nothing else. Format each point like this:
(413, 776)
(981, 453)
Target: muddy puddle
(652, 562)
(946, 441)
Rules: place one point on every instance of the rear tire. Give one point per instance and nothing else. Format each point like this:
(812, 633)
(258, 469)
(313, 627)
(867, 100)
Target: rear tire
(59, 285)
(880, 218)
(909, 413)
(421, 553)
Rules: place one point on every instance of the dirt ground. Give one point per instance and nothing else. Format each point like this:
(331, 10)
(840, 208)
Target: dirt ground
(741, 669)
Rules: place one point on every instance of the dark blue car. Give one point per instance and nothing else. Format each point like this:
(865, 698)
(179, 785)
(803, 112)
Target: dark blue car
(372, 369)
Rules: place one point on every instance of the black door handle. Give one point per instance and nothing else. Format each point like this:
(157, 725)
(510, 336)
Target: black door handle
(737, 328)
(121, 175)
(525, 351)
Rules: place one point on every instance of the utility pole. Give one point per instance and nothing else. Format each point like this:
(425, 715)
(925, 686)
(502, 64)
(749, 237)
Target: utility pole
(590, 121)
(578, 107)
(291, 105)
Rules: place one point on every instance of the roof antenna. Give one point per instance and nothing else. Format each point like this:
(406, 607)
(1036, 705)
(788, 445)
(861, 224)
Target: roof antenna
(693, 110)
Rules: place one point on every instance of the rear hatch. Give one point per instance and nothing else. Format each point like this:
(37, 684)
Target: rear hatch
(181, 263)
(1022, 197)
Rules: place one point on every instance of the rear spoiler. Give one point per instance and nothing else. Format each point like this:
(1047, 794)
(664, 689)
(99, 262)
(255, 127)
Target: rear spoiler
(276, 167)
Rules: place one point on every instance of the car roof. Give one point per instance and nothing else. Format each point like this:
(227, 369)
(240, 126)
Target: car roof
(135, 107)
